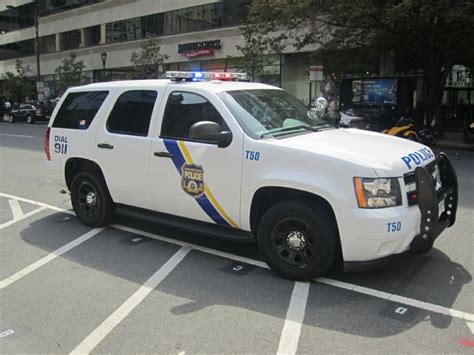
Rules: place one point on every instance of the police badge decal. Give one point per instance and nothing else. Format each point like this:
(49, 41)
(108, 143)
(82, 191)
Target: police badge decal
(192, 179)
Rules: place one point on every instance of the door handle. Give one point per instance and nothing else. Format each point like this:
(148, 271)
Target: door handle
(163, 154)
(105, 146)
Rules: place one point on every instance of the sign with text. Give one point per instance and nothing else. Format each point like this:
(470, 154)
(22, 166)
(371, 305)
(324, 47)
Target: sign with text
(199, 49)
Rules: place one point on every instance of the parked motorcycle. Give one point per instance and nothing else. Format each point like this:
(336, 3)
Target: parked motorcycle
(406, 128)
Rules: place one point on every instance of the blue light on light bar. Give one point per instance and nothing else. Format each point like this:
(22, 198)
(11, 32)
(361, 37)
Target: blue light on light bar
(198, 74)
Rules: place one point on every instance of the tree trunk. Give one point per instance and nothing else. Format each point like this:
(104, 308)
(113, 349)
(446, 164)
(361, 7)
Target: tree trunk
(434, 83)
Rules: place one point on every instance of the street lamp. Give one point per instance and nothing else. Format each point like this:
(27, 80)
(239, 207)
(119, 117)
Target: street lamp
(103, 56)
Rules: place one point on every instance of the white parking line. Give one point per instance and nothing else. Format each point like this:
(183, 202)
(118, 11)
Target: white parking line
(16, 135)
(22, 217)
(30, 268)
(344, 285)
(16, 208)
(94, 338)
(290, 335)
(36, 203)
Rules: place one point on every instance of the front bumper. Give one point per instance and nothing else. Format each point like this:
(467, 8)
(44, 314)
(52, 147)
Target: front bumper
(432, 222)
(422, 228)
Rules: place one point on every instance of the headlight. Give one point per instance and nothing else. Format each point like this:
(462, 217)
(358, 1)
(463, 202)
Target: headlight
(377, 193)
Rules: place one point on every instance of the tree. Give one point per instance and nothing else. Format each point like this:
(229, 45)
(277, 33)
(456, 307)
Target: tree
(17, 86)
(432, 34)
(70, 72)
(147, 62)
(255, 51)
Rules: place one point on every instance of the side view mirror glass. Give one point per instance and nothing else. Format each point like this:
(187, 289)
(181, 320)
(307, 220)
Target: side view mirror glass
(211, 132)
(320, 106)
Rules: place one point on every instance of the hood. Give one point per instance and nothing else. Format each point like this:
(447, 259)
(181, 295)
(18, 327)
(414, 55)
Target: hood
(389, 156)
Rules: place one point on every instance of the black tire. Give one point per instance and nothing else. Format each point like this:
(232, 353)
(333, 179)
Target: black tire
(91, 199)
(30, 119)
(288, 223)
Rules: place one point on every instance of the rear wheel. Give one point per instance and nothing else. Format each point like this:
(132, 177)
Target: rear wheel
(298, 239)
(91, 199)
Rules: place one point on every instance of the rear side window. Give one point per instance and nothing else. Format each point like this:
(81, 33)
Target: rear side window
(132, 113)
(79, 109)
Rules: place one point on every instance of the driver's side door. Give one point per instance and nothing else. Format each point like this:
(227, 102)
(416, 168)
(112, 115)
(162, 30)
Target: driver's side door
(192, 178)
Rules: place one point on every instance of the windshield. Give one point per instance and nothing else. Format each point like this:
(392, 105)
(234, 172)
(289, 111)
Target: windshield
(271, 112)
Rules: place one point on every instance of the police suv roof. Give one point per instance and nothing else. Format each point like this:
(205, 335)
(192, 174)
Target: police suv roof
(211, 85)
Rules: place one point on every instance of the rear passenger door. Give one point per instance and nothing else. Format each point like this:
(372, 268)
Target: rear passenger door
(123, 147)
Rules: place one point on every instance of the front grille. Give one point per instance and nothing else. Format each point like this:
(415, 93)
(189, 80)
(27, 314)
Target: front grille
(410, 183)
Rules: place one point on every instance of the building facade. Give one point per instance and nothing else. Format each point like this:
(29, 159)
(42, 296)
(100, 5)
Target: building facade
(195, 34)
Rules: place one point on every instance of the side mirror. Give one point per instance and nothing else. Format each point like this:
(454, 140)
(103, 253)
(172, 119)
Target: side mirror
(319, 107)
(210, 132)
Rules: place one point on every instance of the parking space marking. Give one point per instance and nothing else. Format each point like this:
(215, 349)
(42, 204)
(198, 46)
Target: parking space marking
(398, 299)
(97, 335)
(22, 217)
(37, 203)
(290, 335)
(58, 252)
(344, 285)
(16, 208)
(470, 325)
(16, 135)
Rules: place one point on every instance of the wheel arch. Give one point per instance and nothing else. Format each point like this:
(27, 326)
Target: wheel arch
(75, 165)
(267, 196)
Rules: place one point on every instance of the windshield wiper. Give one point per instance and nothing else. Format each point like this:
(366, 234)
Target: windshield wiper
(287, 129)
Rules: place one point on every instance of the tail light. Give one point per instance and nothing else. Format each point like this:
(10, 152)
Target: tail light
(46, 143)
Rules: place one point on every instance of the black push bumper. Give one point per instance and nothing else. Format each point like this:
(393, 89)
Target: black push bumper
(429, 199)
(432, 223)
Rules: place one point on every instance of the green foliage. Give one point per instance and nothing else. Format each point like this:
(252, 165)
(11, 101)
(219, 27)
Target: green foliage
(256, 51)
(431, 35)
(147, 62)
(17, 86)
(70, 72)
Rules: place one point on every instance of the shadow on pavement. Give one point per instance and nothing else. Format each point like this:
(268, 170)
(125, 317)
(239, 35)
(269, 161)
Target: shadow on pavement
(432, 278)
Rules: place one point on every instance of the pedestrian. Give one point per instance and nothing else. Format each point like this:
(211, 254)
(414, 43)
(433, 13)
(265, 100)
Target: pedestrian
(8, 107)
(334, 113)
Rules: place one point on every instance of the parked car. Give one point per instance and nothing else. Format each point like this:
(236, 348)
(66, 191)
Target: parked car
(29, 113)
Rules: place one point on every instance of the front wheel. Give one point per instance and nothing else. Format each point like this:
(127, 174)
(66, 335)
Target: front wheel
(91, 199)
(298, 239)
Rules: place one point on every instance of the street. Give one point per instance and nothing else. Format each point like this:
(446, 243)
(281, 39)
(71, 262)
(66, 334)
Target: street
(136, 287)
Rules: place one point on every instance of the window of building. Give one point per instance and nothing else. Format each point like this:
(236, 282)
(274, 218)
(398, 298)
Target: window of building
(184, 109)
(70, 40)
(132, 113)
(91, 36)
(122, 31)
(79, 109)
(152, 25)
(48, 44)
(17, 49)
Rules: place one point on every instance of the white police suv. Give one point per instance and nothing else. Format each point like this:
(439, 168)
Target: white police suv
(248, 162)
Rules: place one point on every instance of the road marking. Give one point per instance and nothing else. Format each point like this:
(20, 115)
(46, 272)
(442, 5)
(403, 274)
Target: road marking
(16, 208)
(37, 203)
(97, 335)
(58, 252)
(470, 325)
(398, 299)
(290, 335)
(22, 217)
(344, 285)
(16, 135)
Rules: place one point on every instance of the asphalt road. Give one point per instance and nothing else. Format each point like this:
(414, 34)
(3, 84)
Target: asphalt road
(141, 288)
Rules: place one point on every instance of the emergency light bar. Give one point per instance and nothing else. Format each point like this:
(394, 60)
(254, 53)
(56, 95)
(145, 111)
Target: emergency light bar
(199, 75)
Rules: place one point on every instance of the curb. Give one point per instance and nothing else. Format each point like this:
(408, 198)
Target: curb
(456, 146)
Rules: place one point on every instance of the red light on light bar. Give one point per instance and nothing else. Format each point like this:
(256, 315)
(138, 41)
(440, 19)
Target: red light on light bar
(228, 75)
(217, 75)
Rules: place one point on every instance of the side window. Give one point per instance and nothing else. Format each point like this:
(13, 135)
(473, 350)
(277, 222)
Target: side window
(184, 109)
(132, 113)
(79, 109)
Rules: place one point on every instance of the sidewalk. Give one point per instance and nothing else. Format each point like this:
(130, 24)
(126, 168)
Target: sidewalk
(453, 141)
